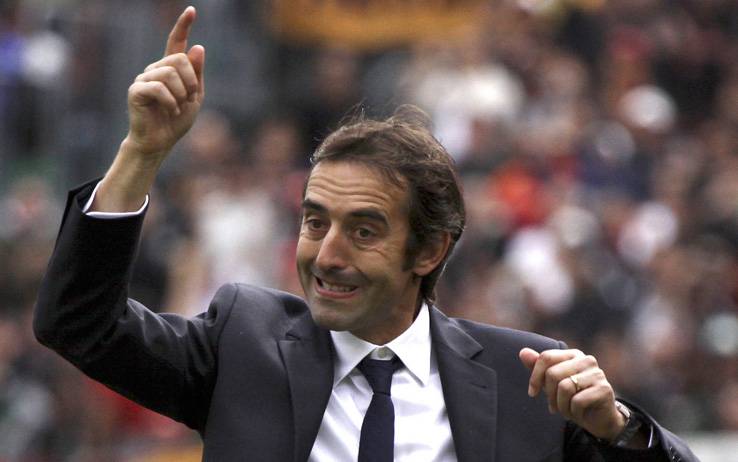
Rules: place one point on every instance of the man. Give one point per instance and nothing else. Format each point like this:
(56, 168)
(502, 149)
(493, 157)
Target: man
(264, 375)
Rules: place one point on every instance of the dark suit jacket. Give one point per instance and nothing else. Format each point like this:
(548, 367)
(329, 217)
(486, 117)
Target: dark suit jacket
(253, 374)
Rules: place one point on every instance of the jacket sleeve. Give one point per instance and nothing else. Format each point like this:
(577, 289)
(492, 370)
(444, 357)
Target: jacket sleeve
(165, 362)
(667, 447)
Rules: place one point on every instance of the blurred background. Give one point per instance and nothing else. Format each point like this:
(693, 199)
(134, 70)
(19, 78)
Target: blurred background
(597, 142)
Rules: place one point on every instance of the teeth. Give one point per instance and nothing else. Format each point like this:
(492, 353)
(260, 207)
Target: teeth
(337, 288)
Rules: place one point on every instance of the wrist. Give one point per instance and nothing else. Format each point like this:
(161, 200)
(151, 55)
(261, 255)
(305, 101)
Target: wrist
(128, 181)
(629, 431)
(623, 416)
(138, 157)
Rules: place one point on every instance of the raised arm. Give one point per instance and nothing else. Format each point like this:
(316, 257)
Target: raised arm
(163, 361)
(163, 102)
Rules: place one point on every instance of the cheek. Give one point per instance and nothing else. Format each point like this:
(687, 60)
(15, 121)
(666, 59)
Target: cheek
(305, 251)
(390, 254)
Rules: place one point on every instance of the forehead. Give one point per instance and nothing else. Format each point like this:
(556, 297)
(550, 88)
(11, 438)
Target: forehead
(336, 184)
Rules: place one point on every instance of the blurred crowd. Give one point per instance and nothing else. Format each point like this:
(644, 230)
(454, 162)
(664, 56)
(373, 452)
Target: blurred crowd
(597, 142)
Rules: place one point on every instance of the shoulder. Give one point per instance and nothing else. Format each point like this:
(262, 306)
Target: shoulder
(257, 309)
(497, 343)
(255, 296)
(262, 300)
(504, 335)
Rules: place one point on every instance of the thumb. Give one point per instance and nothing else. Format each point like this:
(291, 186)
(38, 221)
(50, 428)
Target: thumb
(196, 54)
(529, 357)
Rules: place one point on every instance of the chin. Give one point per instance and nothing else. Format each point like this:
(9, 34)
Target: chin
(328, 318)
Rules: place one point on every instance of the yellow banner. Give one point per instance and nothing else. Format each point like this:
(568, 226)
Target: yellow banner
(373, 24)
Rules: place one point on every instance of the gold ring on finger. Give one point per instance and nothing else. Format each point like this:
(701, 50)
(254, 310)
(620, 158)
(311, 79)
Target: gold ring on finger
(575, 381)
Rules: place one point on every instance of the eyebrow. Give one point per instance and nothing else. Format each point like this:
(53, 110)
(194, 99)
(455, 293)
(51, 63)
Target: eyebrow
(307, 204)
(369, 213)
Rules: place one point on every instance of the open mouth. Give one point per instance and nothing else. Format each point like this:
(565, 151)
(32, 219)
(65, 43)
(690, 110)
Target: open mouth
(334, 290)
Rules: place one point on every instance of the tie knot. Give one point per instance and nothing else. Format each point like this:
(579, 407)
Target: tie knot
(379, 373)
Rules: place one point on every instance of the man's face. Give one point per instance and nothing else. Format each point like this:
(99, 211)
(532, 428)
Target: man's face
(351, 252)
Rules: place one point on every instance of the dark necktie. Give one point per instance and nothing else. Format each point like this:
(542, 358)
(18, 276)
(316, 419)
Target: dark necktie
(377, 442)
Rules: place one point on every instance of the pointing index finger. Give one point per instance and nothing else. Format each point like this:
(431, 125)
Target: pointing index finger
(177, 41)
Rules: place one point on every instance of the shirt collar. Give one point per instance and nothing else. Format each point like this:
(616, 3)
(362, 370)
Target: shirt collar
(412, 346)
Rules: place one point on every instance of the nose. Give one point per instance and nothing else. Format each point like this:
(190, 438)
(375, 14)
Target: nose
(333, 252)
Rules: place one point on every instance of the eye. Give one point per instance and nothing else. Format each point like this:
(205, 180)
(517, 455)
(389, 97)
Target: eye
(364, 233)
(314, 224)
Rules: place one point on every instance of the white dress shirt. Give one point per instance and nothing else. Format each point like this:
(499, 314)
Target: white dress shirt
(88, 204)
(422, 430)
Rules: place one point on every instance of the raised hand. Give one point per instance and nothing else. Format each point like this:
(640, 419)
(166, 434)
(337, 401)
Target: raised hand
(164, 100)
(576, 388)
(162, 104)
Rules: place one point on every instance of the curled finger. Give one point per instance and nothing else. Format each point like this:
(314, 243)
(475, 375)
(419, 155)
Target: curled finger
(546, 361)
(184, 67)
(168, 76)
(568, 388)
(593, 390)
(153, 94)
(560, 372)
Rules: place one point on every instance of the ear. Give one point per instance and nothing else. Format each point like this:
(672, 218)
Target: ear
(431, 255)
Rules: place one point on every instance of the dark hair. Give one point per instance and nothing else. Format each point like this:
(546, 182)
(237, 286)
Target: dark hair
(404, 151)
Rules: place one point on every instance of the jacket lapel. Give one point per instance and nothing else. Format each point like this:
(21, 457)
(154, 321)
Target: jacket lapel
(307, 353)
(469, 389)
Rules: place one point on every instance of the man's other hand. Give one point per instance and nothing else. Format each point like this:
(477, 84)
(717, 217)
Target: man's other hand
(576, 388)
